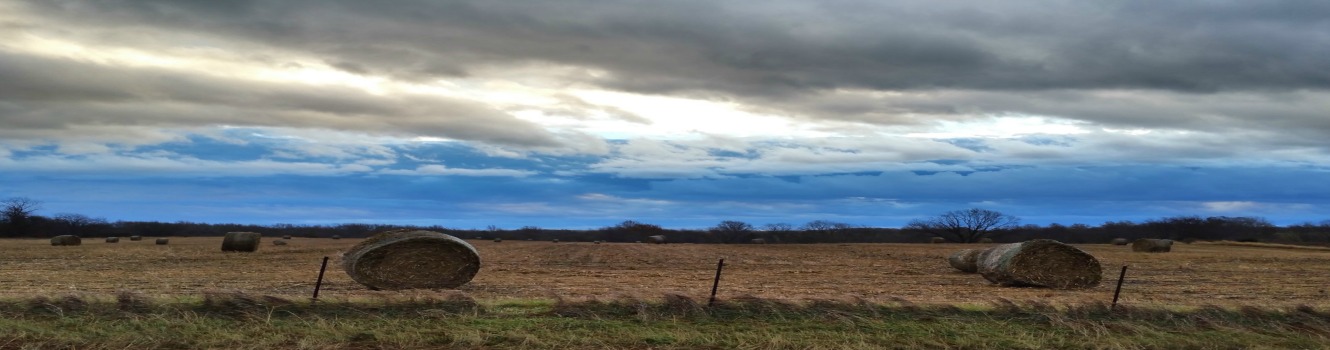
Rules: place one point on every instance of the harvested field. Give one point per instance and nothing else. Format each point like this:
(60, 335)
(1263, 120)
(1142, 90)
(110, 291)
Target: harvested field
(1192, 275)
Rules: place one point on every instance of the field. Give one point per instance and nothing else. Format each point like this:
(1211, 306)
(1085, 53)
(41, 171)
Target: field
(1192, 275)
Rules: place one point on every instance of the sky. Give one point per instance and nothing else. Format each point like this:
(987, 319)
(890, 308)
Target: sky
(583, 114)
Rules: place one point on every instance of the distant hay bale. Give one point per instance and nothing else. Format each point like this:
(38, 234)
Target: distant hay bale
(498, 240)
(112, 239)
(556, 240)
(758, 241)
(241, 241)
(1039, 263)
(986, 240)
(163, 241)
(657, 239)
(1119, 241)
(336, 237)
(278, 242)
(597, 242)
(286, 237)
(406, 259)
(938, 240)
(966, 260)
(66, 240)
(1150, 245)
(136, 238)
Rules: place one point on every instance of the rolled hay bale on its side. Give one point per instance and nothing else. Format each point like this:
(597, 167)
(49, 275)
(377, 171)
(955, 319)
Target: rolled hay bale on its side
(498, 240)
(1118, 241)
(597, 242)
(556, 240)
(986, 240)
(406, 259)
(112, 239)
(938, 240)
(278, 242)
(66, 240)
(1150, 245)
(136, 238)
(758, 241)
(966, 260)
(336, 237)
(163, 241)
(241, 241)
(657, 239)
(286, 237)
(1039, 263)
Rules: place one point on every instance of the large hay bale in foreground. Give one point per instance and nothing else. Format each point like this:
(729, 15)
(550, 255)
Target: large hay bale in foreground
(1119, 241)
(163, 241)
(406, 259)
(1039, 263)
(66, 240)
(938, 240)
(112, 239)
(1150, 245)
(136, 238)
(966, 260)
(657, 239)
(241, 241)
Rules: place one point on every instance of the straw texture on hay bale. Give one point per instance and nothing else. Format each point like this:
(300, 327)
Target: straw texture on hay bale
(163, 241)
(657, 239)
(1039, 263)
(407, 259)
(758, 241)
(136, 238)
(112, 239)
(1119, 241)
(241, 241)
(938, 240)
(1150, 245)
(966, 260)
(278, 242)
(66, 240)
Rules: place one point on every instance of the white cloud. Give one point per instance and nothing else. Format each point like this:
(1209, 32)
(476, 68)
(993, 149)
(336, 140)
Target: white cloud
(437, 170)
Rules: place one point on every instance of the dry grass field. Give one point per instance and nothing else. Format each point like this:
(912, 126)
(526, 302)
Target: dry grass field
(1191, 275)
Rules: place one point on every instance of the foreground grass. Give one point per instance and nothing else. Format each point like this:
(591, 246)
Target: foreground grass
(237, 321)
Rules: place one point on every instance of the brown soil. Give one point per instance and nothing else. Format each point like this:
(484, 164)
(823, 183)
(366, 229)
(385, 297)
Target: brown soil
(1191, 275)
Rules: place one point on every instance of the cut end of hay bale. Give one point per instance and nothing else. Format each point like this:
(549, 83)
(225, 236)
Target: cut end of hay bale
(406, 259)
(966, 260)
(1119, 241)
(1040, 263)
(241, 241)
(163, 241)
(66, 240)
(1150, 245)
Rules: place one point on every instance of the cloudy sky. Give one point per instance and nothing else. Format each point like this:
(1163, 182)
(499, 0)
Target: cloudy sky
(570, 113)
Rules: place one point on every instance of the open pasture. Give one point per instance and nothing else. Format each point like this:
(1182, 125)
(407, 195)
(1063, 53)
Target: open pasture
(1191, 275)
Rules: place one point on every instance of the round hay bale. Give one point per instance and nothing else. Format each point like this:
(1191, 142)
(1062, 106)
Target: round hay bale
(112, 239)
(286, 237)
(938, 240)
(556, 240)
(241, 241)
(986, 240)
(278, 242)
(498, 240)
(1039, 263)
(336, 237)
(407, 259)
(758, 241)
(136, 238)
(597, 241)
(66, 240)
(163, 241)
(657, 239)
(1119, 241)
(966, 260)
(1150, 245)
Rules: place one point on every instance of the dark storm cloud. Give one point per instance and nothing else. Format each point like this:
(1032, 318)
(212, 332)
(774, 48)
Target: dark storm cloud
(781, 47)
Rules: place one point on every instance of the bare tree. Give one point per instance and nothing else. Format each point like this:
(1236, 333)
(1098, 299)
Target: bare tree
(17, 214)
(76, 224)
(730, 231)
(965, 226)
(778, 227)
(824, 226)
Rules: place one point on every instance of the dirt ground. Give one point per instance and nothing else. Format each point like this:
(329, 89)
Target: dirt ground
(1191, 275)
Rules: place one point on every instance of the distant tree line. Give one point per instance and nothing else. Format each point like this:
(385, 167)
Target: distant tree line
(19, 218)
